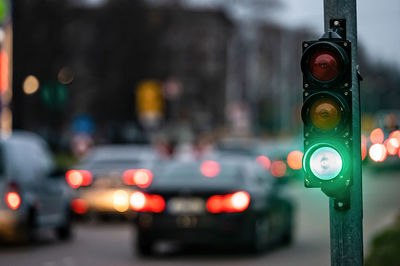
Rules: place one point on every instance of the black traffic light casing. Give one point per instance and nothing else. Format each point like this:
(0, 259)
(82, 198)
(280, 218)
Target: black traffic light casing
(327, 109)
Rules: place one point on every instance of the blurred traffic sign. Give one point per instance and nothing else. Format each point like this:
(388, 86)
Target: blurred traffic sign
(83, 124)
(172, 88)
(4, 10)
(54, 95)
(149, 97)
(149, 103)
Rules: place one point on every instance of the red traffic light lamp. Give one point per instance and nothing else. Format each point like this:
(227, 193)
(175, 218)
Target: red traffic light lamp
(326, 62)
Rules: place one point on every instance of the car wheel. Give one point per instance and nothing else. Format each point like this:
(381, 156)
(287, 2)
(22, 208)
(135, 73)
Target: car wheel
(144, 244)
(287, 236)
(64, 232)
(29, 229)
(260, 233)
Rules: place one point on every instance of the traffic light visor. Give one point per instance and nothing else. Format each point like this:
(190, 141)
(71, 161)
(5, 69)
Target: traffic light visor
(325, 114)
(325, 163)
(325, 65)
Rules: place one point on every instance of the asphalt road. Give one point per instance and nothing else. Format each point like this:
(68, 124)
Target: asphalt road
(111, 244)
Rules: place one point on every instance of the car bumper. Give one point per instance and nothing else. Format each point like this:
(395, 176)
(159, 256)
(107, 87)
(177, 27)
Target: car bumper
(106, 201)
(231, 228)
(10, 223)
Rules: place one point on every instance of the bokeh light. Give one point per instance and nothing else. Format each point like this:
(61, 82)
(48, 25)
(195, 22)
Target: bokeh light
(65, 76)
(74, 178)
(278, 168)
(376, 136)
(377, 152)
(264, 161)
(395, 134)
(13, 200)
(79, 206)
(392, 146)
(30, 85)
(121, 200)
(142, 178)
(294, 160)
(240, 201)
(137, 200)
(210, 168)
(363, 151)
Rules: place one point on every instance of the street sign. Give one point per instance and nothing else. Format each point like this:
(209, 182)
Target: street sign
(149, 97)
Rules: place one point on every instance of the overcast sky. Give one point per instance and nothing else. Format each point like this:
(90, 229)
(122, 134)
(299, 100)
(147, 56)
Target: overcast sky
(378, 24)
(378, 21)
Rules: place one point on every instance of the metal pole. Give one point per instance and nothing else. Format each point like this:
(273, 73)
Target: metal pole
(346, 226)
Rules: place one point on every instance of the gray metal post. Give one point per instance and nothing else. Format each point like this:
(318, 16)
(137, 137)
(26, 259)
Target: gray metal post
(346, 226)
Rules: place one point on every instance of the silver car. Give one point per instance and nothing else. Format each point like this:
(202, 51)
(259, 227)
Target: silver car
(32, 194)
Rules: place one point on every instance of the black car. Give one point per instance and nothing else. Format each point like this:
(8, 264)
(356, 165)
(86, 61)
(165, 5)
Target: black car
(212, 203)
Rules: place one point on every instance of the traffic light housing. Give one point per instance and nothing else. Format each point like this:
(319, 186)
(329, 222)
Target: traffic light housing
(327, 115)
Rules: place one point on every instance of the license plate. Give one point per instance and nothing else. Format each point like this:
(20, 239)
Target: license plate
(186, 206)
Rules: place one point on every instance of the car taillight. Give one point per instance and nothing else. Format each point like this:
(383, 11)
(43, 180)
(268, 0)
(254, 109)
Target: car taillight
(78, 178)
(13, 200)
(235, 202)
(143, 202)
(139, 177)
(79, 206)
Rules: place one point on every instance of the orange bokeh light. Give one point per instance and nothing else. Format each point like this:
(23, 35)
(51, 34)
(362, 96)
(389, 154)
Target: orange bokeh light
(395, 134)
(392, 146)
(377, 136)
(363, 150)
(294, 160)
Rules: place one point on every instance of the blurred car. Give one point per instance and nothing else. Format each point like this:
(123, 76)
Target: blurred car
(233, 202)
(282, 157)
(33, 194)
(107, 175)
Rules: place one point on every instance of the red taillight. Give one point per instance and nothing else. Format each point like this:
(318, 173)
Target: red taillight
(78, 178)
(140, 177)
(79, 206)
(143, 202)
(210, 168)
(236, 202)
(13, 200)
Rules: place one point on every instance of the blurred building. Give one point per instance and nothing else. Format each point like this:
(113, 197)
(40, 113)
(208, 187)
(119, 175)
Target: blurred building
(214, 70)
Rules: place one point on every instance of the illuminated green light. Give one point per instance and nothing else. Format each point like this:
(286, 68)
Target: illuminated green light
(325, 163)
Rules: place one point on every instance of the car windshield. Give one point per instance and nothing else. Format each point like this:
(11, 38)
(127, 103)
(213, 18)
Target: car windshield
(197, 172)
(119, 157)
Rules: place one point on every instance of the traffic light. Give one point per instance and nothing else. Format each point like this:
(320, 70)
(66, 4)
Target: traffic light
(327, 115)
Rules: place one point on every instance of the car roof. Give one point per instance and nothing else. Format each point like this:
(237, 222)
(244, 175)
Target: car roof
(121, 152)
